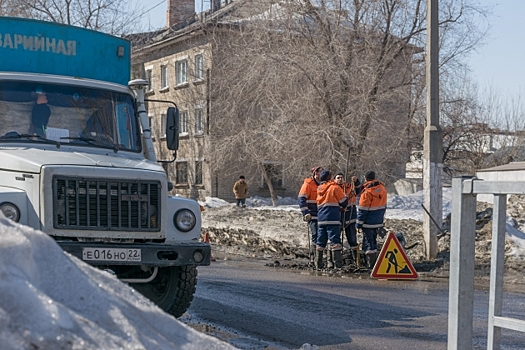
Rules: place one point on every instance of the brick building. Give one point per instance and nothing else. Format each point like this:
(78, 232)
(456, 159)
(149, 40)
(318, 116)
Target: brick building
(178, 62)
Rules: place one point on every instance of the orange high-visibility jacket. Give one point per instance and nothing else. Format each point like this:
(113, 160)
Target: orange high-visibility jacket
(372, 205)
(307, 197)
(352, 190)
(330, 200)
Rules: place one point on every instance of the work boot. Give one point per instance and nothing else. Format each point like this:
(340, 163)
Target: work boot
(319, 264)
(312, 254)
(338, 258)
(372, 258)
(330, 260)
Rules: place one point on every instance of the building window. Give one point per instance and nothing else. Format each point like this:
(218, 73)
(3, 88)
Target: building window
(149, 77)
(163, 77)
(275, 173)
(199, 124)
(150, 119)
(181, 176)
(163, 121)
(183, 122)
(199, 67)
(198, 172)
(181, 70)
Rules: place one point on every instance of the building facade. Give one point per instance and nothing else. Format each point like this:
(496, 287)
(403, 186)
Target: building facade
(179, 63)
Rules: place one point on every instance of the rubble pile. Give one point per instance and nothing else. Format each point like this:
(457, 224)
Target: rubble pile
(281, 237)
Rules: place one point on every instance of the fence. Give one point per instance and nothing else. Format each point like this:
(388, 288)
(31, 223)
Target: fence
(462, 253)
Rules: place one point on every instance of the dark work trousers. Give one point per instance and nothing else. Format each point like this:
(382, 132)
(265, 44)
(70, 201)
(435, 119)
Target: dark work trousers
(369, 239)
(329, 232)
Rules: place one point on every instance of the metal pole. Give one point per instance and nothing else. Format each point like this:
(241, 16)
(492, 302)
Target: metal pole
(433, 220)
(433, 144)
(497, 269)
(309, 245)
(462, 252)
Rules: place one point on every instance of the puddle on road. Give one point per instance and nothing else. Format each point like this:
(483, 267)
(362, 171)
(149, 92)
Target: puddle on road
(427, 279)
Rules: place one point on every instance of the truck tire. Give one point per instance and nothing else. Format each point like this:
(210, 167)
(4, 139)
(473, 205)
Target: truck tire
(172, 290)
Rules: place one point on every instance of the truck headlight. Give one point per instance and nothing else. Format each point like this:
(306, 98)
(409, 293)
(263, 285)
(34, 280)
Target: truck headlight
(12, 212)
(184, 220)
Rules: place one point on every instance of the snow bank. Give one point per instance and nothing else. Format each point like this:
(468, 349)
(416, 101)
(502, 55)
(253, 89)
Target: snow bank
(50, 300)
(398, 208)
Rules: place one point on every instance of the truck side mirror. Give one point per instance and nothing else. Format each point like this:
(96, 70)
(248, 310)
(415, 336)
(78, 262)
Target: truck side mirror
(172, 128)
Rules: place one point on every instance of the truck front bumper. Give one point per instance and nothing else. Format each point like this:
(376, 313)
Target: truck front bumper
(151, 254)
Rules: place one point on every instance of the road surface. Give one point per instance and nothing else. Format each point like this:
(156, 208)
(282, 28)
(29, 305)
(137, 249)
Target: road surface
(257, 307)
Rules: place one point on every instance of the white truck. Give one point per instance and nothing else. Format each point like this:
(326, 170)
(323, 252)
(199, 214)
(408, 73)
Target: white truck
(77, 160)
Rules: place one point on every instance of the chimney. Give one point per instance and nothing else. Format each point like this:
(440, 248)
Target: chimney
(215, 5)
(180, 12)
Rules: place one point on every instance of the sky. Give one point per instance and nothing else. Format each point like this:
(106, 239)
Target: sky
(51, 300)
(498, 64)
(155, 11)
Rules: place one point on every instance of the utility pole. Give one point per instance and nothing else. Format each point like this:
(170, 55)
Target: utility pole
(433, 145)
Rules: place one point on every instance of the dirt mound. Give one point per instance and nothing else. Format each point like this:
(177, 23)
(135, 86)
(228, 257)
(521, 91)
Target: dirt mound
(282, 236)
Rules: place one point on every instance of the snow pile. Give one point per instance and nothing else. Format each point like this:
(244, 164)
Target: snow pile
(517, 236)
(50, 300)
(398, 206)
(212, 202)
(255, 202)
(409, 206)
(264, 230)
(261, 201)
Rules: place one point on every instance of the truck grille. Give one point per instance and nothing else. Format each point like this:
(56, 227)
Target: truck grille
(106, 204)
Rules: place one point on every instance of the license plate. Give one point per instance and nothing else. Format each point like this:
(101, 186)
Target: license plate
(111, 254)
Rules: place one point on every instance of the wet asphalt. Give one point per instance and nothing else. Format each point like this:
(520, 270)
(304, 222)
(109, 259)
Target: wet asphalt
(253, 306)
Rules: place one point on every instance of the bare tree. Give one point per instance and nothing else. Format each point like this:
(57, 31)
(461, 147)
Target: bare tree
(330, 82)
(8, 9)
(466, 128)
(507, 120)
(111, 16)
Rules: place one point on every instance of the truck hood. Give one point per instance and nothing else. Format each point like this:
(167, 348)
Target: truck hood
(31, 160)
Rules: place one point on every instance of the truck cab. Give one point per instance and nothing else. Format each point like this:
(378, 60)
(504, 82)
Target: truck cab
(78, 162)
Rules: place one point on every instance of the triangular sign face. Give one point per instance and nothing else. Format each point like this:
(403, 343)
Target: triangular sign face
(392, 262)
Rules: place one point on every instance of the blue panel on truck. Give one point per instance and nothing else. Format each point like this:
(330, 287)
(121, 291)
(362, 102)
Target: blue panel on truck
(32, 46)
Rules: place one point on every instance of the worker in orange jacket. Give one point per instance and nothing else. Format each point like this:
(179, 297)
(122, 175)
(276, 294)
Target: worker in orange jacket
(330, 200)
(371, 214)
(352, 190)
(307, 200)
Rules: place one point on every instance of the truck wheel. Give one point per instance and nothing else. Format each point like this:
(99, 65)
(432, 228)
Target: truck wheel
(172, 290)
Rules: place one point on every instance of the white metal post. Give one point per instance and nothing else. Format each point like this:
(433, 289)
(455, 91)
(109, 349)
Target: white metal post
(462, 243)
(497, 269)
(462, 252)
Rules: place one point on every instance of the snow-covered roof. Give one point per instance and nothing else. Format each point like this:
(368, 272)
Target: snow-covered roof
(513, 166)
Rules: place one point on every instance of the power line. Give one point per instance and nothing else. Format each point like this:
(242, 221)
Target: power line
(146, 11)
(162, 2)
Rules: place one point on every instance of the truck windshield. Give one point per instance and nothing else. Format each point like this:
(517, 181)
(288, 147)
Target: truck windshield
(36, 112)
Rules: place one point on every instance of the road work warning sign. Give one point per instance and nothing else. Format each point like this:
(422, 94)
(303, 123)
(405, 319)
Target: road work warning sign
(393, 262)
